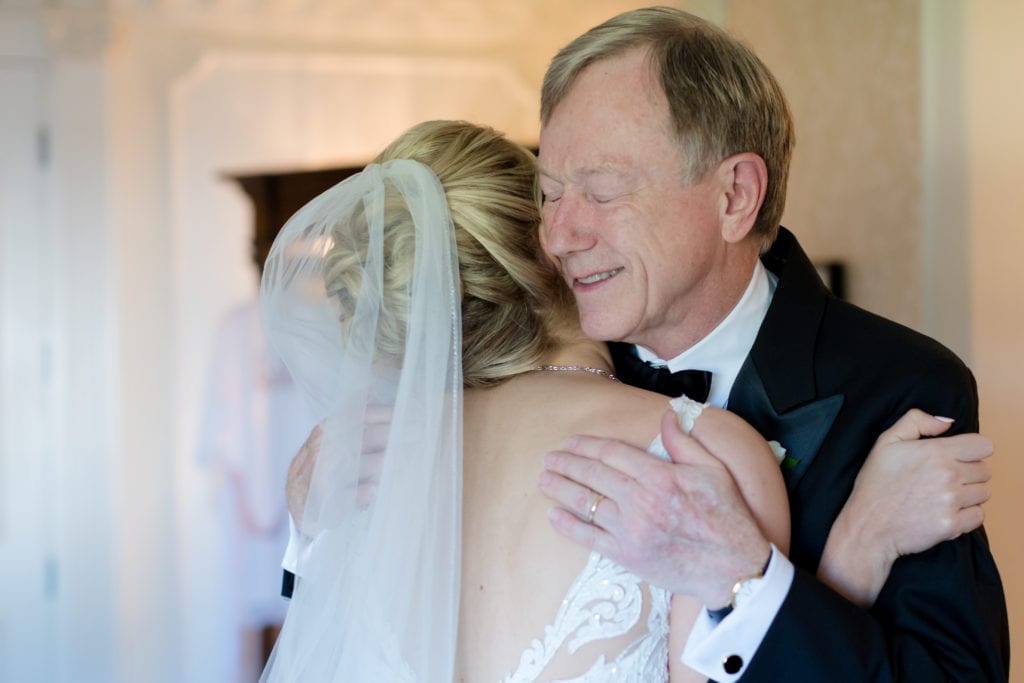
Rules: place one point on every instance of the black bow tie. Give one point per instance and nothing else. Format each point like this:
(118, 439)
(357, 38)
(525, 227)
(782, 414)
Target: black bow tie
(630, 369)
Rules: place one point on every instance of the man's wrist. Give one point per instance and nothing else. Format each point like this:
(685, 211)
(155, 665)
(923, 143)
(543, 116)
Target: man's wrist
(742, 587)
(711, 644)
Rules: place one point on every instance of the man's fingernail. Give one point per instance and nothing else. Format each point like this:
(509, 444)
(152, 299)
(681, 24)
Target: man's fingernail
(940, 418)
(571, 443)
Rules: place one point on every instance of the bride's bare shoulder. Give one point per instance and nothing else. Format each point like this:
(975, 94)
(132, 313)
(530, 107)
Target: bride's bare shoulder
(552, 406)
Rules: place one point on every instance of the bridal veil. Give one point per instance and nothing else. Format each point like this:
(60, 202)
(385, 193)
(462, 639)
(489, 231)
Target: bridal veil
(360, 298)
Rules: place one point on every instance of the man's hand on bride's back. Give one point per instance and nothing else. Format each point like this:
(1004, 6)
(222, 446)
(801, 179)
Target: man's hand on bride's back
(682, 525)
(376, 425)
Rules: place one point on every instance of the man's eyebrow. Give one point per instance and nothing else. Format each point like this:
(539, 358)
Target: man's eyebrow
(609, 167)
(607, 170)
(583, 174)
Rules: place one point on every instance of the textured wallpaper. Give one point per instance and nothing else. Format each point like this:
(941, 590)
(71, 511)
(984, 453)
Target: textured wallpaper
(851, 73)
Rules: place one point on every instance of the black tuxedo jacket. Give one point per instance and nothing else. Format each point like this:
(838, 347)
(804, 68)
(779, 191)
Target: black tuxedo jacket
(825, 378)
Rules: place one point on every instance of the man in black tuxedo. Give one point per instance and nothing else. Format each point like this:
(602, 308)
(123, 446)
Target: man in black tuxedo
(664, 153)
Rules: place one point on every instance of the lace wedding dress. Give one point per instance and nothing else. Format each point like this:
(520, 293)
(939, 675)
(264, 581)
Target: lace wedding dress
(604, 602)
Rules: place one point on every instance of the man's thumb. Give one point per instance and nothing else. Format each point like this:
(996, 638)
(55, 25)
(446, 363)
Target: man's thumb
(681, 447)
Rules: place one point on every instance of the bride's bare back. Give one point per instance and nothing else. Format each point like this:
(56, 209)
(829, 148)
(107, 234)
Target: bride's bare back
(516, 568)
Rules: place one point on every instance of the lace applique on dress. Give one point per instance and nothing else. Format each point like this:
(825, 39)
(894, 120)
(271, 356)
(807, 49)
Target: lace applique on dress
(605, 601)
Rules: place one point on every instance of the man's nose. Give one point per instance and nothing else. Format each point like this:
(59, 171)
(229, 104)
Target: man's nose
(567, 226)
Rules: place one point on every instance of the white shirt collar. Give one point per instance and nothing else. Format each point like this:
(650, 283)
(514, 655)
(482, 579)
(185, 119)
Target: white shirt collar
(725, 348)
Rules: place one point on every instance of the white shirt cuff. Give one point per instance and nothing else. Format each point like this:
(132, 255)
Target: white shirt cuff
(298, 548)
(721, 651)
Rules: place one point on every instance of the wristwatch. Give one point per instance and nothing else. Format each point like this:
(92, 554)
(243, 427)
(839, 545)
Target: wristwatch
(742, 590)
(745, 588)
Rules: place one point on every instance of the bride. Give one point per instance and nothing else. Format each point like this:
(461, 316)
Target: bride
(413, 306)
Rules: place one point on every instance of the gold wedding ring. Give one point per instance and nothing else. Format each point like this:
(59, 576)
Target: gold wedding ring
(593, 507)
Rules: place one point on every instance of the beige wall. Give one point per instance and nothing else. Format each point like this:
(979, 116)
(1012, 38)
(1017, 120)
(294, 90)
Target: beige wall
(850, 72)
(995, 62)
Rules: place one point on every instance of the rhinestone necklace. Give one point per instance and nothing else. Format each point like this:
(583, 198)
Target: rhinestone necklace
(577, 368)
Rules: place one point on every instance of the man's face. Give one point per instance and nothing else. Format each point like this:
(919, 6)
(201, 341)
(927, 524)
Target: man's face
(639, 250)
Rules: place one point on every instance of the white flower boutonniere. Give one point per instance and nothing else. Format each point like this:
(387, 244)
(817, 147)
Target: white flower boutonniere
(778, 450)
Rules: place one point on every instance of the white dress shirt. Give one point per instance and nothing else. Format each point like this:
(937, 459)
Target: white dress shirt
(724, 349)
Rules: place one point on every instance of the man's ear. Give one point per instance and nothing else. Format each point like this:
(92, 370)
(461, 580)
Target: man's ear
(744, 178)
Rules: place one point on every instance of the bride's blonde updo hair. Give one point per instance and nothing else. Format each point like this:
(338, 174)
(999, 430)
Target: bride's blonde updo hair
(513, 300)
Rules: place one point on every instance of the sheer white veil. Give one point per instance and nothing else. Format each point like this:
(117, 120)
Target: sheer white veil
(360, 297)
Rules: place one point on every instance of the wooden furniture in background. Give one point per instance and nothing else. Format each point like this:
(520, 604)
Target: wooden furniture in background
(276, 196)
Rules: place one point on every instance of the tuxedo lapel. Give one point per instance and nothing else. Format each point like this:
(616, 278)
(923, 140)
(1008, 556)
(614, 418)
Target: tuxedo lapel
(801, 431)
(775, 390)
(784, 351)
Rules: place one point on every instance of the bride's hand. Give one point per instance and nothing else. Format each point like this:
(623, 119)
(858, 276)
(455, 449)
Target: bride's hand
(296, 488)
(911, 494)
(376, 425)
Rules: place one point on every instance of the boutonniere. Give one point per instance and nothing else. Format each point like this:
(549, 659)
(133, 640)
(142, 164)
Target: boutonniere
(780, 455)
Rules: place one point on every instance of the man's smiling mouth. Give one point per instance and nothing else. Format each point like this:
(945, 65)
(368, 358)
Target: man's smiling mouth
(597, 277)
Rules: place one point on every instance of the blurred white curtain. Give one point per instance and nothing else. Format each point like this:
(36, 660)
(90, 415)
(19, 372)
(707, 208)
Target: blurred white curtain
(254, 421)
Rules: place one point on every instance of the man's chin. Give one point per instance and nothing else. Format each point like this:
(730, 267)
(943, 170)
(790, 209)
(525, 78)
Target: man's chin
(603, 330)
